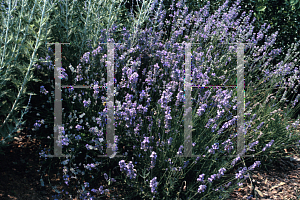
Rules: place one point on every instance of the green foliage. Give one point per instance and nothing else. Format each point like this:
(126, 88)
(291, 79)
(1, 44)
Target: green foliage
(14, 73)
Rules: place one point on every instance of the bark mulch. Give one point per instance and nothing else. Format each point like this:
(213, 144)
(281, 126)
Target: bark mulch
(280, 182)
(19, 174)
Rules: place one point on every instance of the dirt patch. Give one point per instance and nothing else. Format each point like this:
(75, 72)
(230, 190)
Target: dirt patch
(20, 178)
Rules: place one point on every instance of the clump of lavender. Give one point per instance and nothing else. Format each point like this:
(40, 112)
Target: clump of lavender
(151, 99)
(128, 169)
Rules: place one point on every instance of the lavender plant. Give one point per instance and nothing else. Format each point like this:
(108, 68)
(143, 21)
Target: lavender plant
(149, 74)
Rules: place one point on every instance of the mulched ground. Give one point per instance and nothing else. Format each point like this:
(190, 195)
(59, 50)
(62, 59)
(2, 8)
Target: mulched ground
(21, 180)
(280, 182)
(18, 171)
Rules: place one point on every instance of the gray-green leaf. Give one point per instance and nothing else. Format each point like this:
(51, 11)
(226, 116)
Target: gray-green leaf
(261, 8)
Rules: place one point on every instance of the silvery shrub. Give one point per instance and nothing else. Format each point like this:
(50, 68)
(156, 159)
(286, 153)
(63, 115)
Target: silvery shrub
(18, 25)
(149, 93)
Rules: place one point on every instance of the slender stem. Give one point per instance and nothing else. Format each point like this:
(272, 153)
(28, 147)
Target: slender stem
(30, 65)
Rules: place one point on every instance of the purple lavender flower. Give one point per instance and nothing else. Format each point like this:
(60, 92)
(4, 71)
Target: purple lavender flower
(201, 188)
(240, 184)
(78, 127)
(211, 151)
(153, 185)
(221, 172)
(256, 164)
(89, 166)
(212, 177)
(105, 176)
(180, 150)
(86, 103)
(43, 90)
(253, 144)
(296, 100)
(64, 141)
(241, 173)
(64, 75)
(201, 178)
(153, 157)
(101, 189)
(86, 57)
(268, 145)
(235, 160)
(122, 165)
(260, 125)
(77, 137)
(38, 124)
(201, 110)
(128, 169)
(228, 184)
(296, 123)
(144, 144)
(215, 146)
(228, 145)
(185, 164)
(86, 184)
